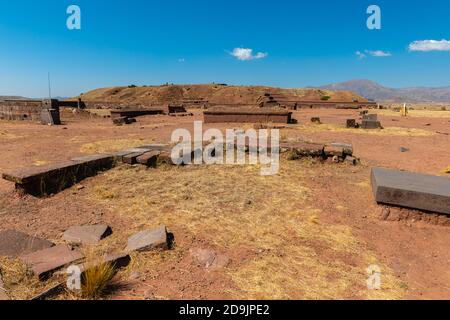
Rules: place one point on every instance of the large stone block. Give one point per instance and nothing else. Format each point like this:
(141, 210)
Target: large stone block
(14, 243)
(149, 240)
(43, 263)
(371, 124)
(45, 180)
(149, 159)
(411, 190)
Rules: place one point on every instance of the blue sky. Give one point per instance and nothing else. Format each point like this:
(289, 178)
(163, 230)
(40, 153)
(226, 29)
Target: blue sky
(301, 43)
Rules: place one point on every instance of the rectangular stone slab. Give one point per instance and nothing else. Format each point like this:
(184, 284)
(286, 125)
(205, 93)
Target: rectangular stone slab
(89, 234)
(43, 263)
(149, 240)
(45, 180)
(14, 243)
(411, 190)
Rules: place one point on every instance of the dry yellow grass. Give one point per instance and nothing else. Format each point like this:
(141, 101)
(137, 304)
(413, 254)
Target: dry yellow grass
(233, 206)
(389, 131)
(447, 170)
(415, 113)
(8, 136)
(19, 281)
(113, 145)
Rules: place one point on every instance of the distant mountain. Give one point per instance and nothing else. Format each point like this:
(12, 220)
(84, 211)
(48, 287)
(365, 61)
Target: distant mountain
(374, 91)
(12, 98)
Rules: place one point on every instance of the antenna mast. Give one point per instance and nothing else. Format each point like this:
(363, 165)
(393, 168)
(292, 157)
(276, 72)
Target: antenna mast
(49, 88)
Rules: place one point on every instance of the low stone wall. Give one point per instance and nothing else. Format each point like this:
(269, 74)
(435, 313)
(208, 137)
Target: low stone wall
(20, 110)
(250, 116)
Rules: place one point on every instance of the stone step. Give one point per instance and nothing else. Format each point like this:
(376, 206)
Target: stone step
(411, 190)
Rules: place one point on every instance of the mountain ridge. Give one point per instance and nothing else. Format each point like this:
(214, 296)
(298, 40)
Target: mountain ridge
(375, 91)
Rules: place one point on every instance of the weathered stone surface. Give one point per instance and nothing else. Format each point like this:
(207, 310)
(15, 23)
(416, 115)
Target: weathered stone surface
(50, 116)
(149, 159)
(155, 147)
(149, 240)
(352, 160)
(333, 151)
(14, 243)
(252, 115)
(347, 148)
(91, 235)
(132, 158)
(411, 190)
(371, 124)
(45, 180)
(370, 117)
(117, 261)
(43, 263)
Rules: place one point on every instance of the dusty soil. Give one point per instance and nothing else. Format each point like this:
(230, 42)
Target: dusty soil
(308, 233)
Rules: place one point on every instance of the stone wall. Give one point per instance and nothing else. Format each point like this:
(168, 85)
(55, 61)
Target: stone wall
(20, 110)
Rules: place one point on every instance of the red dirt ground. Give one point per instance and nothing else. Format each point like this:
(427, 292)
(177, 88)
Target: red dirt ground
(414, 245)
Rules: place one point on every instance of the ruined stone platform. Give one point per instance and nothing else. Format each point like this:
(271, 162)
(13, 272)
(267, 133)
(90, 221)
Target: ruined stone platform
(411, 190)
(46, 180)
(231, 115)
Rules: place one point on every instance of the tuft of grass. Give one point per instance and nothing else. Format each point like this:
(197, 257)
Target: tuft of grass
(113, 145)
(447, 170)
(95, 280)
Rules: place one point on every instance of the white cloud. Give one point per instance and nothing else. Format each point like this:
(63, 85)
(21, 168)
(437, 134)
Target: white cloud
(360, 54)
(373, 53)
(430, 45)
(245, 54)
(181, 60)
(379, 53)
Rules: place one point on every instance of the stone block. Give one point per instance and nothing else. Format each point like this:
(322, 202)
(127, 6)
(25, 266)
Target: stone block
(370, 117)
(157, 239)
(347, 148)
(411, 190)
(303, 149)
(14, 244)
(50, 117)
(43, 263)
(371, 124)
(132, 157)
(149, 159)
(351, 123)
(90, 234)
